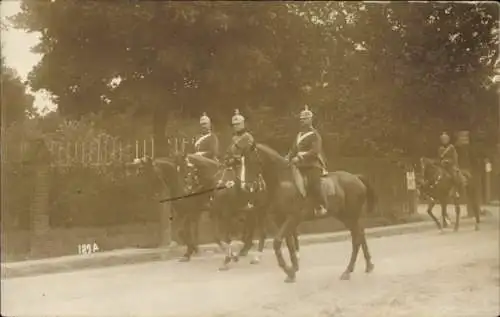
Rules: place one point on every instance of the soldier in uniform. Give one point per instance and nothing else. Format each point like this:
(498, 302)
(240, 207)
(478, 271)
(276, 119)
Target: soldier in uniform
(206, 145)
(242, 142)
(306, 154)
(448, 158)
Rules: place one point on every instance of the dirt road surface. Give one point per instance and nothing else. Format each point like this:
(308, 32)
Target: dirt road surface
(425, 274)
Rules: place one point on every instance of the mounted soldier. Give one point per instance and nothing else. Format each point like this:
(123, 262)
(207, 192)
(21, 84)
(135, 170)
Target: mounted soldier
(242, 144)
(448, 158)
(206, 149)
(306, 155)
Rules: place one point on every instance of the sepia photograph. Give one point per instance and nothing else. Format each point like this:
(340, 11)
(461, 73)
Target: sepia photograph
(250, 158)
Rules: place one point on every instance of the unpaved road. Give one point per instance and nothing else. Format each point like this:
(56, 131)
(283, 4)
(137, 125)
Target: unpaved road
(425, 274)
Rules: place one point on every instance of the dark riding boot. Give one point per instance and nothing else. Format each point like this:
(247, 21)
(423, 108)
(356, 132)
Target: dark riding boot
(454, 173)
(249, 199)
(314, 180)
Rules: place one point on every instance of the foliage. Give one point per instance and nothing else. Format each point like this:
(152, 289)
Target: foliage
(15, 103)
(384, 79)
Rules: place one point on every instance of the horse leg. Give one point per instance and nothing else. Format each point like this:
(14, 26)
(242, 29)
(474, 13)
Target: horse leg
(290, 244)
(195, 231)
(297, 245)
(429, 211)
(187, 237)
(261, 227)
(472, 203)
(248, 230)
(366, 252)
(457, 214)
(444, 214)
(226, 244)
(356, 243)
(278, 241)
(214, 219)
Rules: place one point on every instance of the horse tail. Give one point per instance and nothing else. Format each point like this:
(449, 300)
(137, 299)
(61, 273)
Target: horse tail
(371, 197)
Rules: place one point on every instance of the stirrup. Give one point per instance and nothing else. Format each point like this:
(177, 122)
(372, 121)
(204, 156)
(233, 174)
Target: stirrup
(320, 211)
(248, 206)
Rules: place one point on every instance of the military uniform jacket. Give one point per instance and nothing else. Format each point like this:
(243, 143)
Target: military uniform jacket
(448, 153)
(207, 145)
(241, 143)
(308, 147)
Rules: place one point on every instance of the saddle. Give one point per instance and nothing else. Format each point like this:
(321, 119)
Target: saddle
(327, 186)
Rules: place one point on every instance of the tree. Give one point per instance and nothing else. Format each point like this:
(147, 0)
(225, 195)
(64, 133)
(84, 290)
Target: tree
(385, 78)
(16, 104)
(172, 58)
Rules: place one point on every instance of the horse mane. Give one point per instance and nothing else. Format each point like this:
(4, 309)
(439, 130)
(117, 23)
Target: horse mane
(203, 161)
(272, 154)
(164, 161)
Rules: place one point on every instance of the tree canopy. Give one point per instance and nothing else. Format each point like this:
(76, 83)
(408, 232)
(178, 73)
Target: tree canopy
(382, 78)
(15, 103)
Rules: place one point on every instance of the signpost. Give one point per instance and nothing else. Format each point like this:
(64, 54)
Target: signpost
(411, 186)
(487, 180)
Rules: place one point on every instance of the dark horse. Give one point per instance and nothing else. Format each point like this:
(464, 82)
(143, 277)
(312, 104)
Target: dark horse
(438, 185)
(185, 211)
(230, 205)
(346, 194)
(189, 201)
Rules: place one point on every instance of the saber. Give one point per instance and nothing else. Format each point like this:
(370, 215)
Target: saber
(195, 194)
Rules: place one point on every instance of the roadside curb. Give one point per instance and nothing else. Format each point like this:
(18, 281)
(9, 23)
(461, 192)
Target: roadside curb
(136, 256)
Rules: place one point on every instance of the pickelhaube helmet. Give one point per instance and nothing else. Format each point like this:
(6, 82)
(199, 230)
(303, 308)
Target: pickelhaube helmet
(237, 118)
(204, 118)
(306, 113)
(444, 136)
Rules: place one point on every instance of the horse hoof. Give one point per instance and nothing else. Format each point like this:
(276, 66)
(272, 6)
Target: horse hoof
(223, 268)
(290, 279)
(243, 253)
(255, 261)
(369, 268)
(455, 229)
(476, 227)
(345, 276)
(184, 259)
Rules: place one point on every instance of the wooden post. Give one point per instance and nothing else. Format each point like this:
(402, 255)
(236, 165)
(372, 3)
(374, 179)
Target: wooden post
(105, 155)
(121, 152)
(136, 149)
(83, 152)
(98, 151)
(152, 147)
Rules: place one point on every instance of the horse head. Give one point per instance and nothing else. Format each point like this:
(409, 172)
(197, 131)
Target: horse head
(166, 169)
(431, 171)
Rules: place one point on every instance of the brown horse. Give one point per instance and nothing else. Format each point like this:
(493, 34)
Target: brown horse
(347, 194)
(438, 185)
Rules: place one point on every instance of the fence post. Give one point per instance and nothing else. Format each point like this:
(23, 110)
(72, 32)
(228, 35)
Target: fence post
(40, 224)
